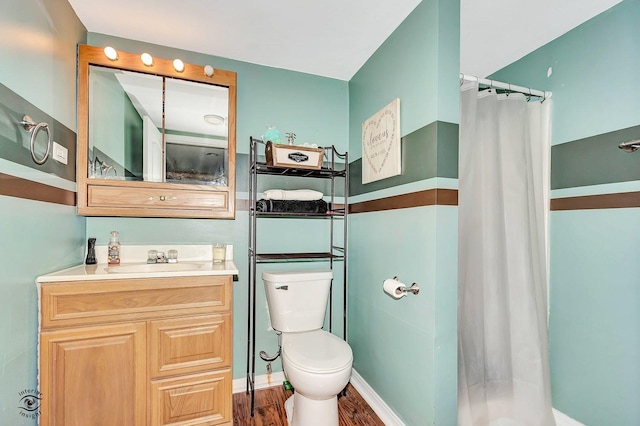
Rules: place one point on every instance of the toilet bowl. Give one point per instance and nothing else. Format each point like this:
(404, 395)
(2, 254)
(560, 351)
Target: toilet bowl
(318, 366)
(315, 362)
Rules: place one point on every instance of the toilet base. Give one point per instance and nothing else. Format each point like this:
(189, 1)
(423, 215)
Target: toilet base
(303, 411)
(288, 409)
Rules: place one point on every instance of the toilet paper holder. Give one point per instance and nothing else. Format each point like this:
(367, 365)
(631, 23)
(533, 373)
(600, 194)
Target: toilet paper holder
(403, 289)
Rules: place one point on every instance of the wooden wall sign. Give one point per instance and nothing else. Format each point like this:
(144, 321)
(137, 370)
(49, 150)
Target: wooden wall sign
(381, 144)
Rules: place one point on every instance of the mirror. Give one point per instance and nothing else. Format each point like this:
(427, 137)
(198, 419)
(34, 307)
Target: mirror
(152, 126)
(129, 124)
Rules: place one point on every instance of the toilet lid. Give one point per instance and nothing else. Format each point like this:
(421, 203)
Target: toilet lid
(317, 351)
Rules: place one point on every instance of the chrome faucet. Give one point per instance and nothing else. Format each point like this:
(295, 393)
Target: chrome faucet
(161, 258)
(154, 256)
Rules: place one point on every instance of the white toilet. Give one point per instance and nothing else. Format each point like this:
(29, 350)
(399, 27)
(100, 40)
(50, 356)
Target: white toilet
(316, 362)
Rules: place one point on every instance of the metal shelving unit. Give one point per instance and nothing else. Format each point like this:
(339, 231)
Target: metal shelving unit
(335, 253)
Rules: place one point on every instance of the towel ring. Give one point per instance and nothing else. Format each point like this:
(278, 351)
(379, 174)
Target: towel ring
(34, 128)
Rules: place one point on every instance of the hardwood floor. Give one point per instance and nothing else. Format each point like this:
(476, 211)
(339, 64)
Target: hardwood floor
(269, 409)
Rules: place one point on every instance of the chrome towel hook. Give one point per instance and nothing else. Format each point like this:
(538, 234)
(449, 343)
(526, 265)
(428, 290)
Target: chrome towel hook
(630, 146)
(34, 128)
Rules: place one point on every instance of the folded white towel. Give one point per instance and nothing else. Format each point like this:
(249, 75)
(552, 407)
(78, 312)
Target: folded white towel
(295, 194)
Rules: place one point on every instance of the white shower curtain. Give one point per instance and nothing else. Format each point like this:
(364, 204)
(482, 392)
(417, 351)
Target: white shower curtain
(503, 361)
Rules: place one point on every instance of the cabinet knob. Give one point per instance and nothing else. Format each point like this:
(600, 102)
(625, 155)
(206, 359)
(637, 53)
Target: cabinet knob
(162, 198)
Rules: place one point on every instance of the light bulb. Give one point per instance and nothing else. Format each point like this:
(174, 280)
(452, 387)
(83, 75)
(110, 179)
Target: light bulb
(146, 59)
(178, 65)
(110, 53)
(208, 70)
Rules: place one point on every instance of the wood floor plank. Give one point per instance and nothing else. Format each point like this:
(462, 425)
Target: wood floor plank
(269, 409)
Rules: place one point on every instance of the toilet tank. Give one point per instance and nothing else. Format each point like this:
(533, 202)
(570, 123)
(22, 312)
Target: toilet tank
(297, 300)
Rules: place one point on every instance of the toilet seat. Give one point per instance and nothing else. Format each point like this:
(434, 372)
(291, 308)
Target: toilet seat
(317, 351)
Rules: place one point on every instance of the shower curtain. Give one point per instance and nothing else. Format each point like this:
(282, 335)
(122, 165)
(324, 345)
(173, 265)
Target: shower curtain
(503, 361)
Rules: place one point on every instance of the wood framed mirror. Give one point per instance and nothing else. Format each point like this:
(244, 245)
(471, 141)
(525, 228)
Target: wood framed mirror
(156, 140)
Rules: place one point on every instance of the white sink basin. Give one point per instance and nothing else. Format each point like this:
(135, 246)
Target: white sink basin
(142, 268)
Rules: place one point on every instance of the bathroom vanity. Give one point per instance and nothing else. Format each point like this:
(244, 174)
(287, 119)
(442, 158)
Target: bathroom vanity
(137, 346)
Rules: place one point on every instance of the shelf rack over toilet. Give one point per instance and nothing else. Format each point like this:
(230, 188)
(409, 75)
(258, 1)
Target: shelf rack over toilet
(335, 167)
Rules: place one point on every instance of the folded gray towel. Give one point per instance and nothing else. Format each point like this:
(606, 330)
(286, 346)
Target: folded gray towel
(291, 206)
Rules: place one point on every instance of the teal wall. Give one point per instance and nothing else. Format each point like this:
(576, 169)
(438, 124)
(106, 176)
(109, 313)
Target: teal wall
(38, 51)
(406, 349)
(594, 292)
(593, 87)
(313, 107)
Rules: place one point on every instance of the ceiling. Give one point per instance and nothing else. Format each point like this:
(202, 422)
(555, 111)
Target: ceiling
(331, 38)
(495, 33)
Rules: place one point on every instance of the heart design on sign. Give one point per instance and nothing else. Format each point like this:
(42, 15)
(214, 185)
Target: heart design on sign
(377, 137)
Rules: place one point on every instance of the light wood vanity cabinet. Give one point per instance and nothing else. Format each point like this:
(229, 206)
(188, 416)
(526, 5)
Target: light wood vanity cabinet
(154, 351)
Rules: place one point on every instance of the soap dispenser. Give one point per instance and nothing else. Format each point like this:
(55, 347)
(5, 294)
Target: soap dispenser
(91, 252)
(114, 249)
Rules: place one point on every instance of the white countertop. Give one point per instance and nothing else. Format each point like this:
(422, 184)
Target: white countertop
(103, 271)
(192, 261)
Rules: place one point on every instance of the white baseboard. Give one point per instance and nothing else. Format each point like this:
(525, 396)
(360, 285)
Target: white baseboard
(564, 420)
(261, 382)
(388, 417)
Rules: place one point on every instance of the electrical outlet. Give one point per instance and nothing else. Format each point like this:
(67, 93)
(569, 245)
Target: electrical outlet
(60, 153)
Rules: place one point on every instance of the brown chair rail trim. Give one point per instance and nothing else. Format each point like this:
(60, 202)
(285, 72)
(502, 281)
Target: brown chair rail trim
(429, 197)
(13, 186)
(603, 201)
(449, 197)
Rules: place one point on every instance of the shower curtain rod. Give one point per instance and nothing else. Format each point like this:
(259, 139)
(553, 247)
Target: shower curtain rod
(506, 86)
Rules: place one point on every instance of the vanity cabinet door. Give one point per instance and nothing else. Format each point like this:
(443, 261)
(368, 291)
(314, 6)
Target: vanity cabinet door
(198, 399)
(94, 376)
(187, 345)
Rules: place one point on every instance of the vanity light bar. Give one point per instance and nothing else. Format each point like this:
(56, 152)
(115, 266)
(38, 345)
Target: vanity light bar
(147, 60)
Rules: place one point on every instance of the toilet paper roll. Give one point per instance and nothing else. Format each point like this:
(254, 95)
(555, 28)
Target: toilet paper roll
(393, 288)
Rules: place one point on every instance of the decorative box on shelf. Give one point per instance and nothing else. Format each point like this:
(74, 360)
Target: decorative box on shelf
(294, 156)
